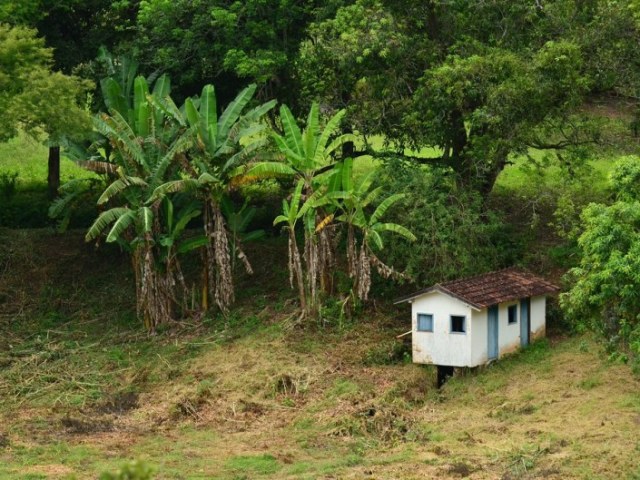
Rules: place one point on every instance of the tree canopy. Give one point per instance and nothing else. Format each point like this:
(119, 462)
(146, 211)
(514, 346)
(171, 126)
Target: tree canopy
(32, 97)
(478, 81)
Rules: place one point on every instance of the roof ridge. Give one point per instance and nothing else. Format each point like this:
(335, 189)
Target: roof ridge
(473, 277)
(492, 287)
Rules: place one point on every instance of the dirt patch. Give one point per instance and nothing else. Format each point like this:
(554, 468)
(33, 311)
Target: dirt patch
(84, 426)
(460, 469)
(120, 403)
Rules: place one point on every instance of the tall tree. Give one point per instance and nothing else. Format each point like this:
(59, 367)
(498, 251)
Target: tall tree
(477, 81)
(604, 286)
(227, 42)
(309, 154)
(223, 143)
(74, 30)
(146, 153)
(36, 99)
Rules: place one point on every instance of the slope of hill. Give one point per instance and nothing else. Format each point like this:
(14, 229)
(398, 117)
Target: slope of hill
(255, 395)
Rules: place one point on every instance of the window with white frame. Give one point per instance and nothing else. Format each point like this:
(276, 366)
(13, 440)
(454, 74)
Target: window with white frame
(512, 314)
(425, 322)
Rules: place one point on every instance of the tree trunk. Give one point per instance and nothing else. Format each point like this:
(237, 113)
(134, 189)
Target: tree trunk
(53, 179)
(488, 181)
(352, 254)
(224, 292)
(295, 269)
(456, 149)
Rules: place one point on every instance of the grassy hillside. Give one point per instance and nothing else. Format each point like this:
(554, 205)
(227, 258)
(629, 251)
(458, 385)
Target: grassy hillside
(256, 396)
(26, 157)
(23, 183)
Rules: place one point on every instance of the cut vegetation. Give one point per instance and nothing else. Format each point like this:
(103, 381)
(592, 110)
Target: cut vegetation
(254, 396)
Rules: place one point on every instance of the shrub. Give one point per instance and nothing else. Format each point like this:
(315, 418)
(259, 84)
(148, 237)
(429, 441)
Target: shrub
(456, 234)
(603, 297)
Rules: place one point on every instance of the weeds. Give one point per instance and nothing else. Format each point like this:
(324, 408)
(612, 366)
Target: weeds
(82, 388)
(388, 353)
(524, 459)
(130, 471)
(8, 182)
(385, 423)
(251, 465)
(292, 384)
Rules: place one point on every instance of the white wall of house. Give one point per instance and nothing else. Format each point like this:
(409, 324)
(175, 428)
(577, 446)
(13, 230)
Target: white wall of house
(538, 316)
(479, 340)
(441, 347)
(508, 333)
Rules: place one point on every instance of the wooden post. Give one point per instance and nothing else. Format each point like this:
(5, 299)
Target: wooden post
(444, 372)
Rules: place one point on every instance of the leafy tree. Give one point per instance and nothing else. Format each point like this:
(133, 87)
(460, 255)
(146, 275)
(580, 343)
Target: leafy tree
(603, 295)
(228, 43)
(238, 222)
(36, 99)
(327, 195)
(475, 81)
(455, 234)
(292, 211)
(310, 154)
(73, 30)
(352, 200)
(146, 151)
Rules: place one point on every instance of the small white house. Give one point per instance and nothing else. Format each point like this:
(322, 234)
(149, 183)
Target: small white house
(472, 321)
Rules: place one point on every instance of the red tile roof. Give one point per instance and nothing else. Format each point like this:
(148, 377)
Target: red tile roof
(491, 288)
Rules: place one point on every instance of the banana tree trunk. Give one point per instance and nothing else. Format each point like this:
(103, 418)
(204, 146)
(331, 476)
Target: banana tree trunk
(326, 259)
(352, 254)
(208, 262)
(53, 177)
(311, 260)
(295, 269)
(224, 293)
(363, 279)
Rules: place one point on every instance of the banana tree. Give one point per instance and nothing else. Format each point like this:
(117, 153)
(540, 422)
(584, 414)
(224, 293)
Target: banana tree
(310, 155)
(146, 150)
(355, 198)
(307, 153)
(238, 222)
(222, 144)
(291, 213)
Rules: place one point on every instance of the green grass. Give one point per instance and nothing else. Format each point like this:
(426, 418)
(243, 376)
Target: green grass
(208, 396)
(252, 465)
(27, 157)
(523, 174)
(23, 184)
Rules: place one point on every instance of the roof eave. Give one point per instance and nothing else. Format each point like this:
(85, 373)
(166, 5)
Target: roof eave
(444, 291)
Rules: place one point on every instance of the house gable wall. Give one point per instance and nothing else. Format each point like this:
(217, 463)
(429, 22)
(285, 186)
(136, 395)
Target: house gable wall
(479, 342)
(441, 347)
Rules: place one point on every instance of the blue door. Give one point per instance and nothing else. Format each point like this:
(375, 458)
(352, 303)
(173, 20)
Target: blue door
(524, 322)
(492, 347)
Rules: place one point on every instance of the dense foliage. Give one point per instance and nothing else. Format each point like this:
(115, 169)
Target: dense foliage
(456, 235)
(604, 287)
(434, 98)
(32, 97)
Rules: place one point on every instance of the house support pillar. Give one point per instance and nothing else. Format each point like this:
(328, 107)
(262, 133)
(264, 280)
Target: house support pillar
(444, 372)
